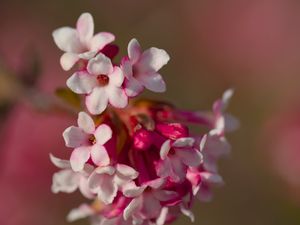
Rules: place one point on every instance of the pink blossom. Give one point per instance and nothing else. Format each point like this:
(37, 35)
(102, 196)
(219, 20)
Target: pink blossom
(80, 43)
(87, 141)
(101, 82)
(141, 69)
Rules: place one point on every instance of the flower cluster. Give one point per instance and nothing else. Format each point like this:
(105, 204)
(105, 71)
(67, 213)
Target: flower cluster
(137, 161)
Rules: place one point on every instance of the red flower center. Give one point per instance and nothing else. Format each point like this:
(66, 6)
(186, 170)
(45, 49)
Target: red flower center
(103, 80)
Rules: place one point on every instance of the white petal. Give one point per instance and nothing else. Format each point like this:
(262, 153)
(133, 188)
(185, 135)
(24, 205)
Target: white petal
(227, 95)
(164, 196)
(153, 60)
(116, 77)
(85, 27)
(107, 189)
(151, 206)
(178, 170)
(133, 87)
(117, 97)
(105, 170)
(190, 157)
(87, 55)
(184, 142)
(84, 188)
(156, 183)
(86, 123)
(68, 60)
(60, 163)
(74, 137)
(164, 150)
(127, 171)
(97, 101)
(100, 65)
(79, 157)
(65, 181)
(126, 67)
(163, 216)
(211, 178)
(187, 212)
(82, 82)
(153, 81)
(132, 207)
(103, 134)
(81, 212)
(134, 50)
(130, 190)
(99, 155)
(100, 40)
(66, 38)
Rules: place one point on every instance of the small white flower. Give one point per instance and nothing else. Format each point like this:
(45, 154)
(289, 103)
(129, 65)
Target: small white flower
(102, 83)
(80, 43)
(141, 69)
(87, 141)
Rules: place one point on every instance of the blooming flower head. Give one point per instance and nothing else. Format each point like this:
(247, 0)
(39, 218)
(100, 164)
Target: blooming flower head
(80, 43)
(138, 161)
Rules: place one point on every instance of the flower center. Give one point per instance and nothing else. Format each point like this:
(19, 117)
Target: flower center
(103, 80)
(92, 140)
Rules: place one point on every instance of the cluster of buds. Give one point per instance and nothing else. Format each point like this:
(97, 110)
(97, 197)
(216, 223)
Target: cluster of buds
(136, 160)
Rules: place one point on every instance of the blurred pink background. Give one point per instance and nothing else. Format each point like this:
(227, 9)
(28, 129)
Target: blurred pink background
(252, 46)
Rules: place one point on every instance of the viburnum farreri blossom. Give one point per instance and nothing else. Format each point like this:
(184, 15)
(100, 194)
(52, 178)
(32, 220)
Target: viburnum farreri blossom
(137, 161)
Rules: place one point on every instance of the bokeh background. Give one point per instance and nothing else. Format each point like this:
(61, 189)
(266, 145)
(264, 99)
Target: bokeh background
(252, 46)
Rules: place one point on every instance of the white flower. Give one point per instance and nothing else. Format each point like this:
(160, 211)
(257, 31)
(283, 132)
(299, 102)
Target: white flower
(176, 157)
(87, 141)
(80, 43)
(141, 69)
(69, 181)
(101, 82)
(106, 181)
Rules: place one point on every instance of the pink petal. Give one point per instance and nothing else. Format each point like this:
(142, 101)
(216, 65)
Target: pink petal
(134, 50)
(99, 155)
(97, 101)
(153, 60)
(116, 77)
(68, 60)
(100, 40)
(84, 188)
(178, 170)
(107, 189)
(81, 212)
(156, 183)
(162, 216)
(165, 148)
(126, 67)
(65, 181)
(212, 178)
(103, 134)
(79, 157)
(82, 82)
(130, 190)
(184, 142)
(151, 206)
(117, 97)
(153, 81)
(67, 40)
(133, 87)
(86, 123)
(187, 212)
(132, 208)
(127, 171)
(190, 157)
(164, 196)
(74, 137)
(60, 163)
(100, 65)
(85, 27)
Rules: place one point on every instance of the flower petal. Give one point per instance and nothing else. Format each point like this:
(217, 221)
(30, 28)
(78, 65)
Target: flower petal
(116, 77)
(100, 65)
(81, 212)
(85, 27)
(86, 123)
(184, 142)
(162, 216)
(103, 134)
(107, 189)
(127, 171)
(100, 40)
(60, 163)
(82, 82)
(84, 188)
(130, 190)
(117, 97)
(99, 155)
(79, 157)
(66, 39)
(68, 60)
(65, 181)
(133, 87)
(164, 196)
(165, 148)
(134, 50)
(74, 137)
(190, 157)
(153, 81)
(132, 207)
(97, 101)
(153, 60)
(151, 206)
